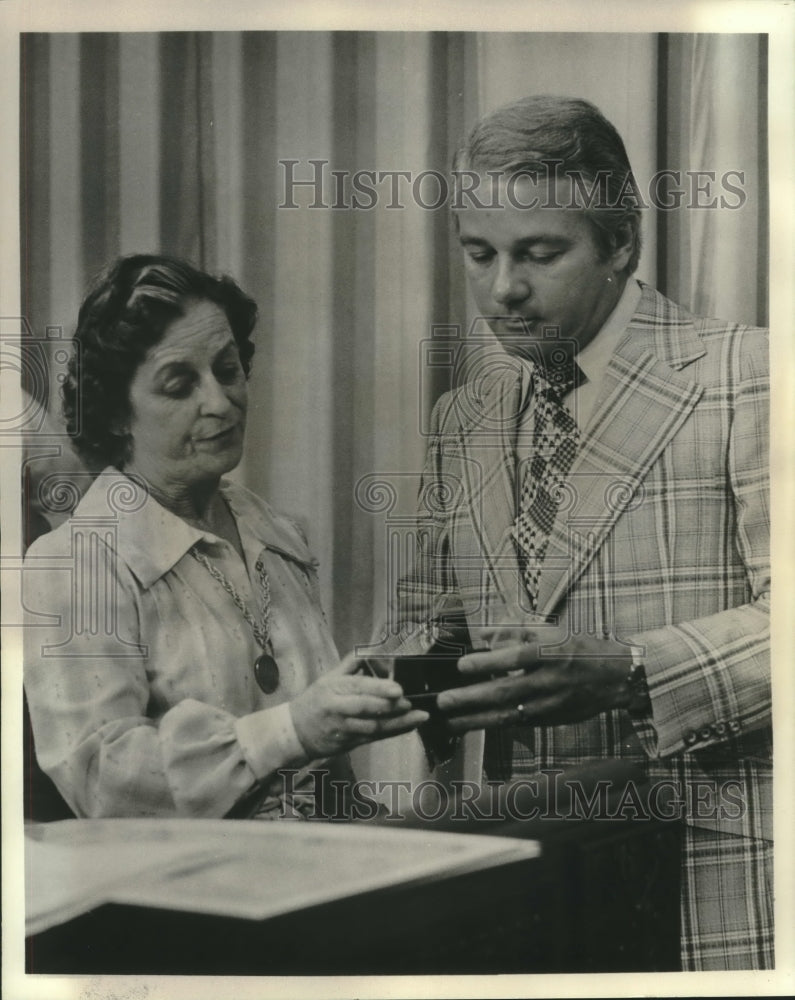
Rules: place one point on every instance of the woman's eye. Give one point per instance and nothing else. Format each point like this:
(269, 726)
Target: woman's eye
(177, 388)
(229, 372)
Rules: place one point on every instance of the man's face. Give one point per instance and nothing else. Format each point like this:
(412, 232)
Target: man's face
(536, 268)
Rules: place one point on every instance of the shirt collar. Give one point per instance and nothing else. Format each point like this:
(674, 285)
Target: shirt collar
(594, 358)
(151, 540)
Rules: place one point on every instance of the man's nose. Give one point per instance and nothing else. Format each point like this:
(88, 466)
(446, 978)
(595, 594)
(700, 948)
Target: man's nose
(510, 284)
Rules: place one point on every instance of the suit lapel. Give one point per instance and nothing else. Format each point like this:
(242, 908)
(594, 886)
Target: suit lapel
(644, 400)
(487, 445)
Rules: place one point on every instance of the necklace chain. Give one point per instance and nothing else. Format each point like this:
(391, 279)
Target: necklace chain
(261, 629)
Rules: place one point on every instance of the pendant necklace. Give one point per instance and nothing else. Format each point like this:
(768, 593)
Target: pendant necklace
(266, 669)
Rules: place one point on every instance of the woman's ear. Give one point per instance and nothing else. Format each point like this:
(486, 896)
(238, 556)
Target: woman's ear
(119, 427)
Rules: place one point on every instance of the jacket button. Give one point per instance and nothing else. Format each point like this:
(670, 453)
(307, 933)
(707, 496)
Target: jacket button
(705, 734)
(720, 728)
(691, 738)
(734, 726)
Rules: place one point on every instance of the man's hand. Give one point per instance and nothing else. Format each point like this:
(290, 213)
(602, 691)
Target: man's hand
(534, 678)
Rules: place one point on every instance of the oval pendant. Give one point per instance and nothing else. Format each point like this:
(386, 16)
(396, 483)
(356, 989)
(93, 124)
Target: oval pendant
(266, 672)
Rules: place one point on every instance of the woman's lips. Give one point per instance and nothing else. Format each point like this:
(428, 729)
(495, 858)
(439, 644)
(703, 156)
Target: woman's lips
(220, 435)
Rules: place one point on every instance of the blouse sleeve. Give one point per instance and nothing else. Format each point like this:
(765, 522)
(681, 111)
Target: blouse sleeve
(87, 688)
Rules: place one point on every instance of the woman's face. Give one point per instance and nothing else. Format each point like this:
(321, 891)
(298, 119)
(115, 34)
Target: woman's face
(188, 402)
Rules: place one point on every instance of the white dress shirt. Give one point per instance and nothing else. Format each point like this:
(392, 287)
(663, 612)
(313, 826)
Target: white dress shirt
(593, 359)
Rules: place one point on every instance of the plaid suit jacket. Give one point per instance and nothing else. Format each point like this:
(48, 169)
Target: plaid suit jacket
(661, 539)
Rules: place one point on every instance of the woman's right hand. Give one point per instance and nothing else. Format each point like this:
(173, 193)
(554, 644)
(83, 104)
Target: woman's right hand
(345, 708)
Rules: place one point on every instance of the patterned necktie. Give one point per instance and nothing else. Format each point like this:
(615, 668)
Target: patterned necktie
(555, 440)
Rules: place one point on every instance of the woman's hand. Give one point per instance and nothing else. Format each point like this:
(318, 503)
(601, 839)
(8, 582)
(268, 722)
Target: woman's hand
(345, 708)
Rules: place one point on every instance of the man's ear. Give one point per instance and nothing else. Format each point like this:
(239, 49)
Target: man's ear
(624, 237)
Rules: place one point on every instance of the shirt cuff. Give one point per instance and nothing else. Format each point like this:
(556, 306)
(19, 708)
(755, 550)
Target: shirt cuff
(269, 741)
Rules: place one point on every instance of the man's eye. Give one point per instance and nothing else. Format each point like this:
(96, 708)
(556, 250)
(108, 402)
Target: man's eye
(480, 256)
(543, 258)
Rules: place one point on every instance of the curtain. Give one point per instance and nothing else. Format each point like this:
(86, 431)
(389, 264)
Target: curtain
(713, 122)
(194, 143)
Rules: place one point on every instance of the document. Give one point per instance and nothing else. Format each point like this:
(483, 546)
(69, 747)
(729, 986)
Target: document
(250, 869)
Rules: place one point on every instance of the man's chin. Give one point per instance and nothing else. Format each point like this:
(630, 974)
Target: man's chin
(524, 346)
(539, 350)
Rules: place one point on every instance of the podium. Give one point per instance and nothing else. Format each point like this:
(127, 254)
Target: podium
(589, 895)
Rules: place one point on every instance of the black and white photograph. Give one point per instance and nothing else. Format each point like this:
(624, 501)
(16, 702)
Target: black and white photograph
(396, 420)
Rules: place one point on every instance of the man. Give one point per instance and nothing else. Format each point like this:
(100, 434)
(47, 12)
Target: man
(607, 540)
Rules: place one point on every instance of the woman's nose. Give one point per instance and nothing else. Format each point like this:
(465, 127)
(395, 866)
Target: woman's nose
(509, 284)
(214, 398)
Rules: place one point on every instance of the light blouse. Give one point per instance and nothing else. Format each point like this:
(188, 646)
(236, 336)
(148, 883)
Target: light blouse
(139, 664)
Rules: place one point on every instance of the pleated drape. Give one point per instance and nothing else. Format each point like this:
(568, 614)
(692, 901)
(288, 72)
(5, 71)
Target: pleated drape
(173, 141)
(713, 251)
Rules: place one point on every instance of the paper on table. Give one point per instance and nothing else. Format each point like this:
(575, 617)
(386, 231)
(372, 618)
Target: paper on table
(72, 866)
(242, 869)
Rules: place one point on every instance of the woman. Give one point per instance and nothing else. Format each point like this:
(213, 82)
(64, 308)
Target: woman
(177, 657)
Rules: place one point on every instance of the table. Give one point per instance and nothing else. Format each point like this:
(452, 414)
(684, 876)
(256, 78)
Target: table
(603, 896)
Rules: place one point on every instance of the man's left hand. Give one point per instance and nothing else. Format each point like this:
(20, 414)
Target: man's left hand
(537, 682)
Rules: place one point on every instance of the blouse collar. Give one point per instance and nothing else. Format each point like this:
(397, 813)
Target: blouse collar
(151, 540)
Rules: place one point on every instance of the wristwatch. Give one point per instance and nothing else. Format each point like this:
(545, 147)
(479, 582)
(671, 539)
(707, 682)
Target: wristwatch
(639, 701)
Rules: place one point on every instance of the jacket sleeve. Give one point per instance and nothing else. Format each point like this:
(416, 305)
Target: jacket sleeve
(709, 679)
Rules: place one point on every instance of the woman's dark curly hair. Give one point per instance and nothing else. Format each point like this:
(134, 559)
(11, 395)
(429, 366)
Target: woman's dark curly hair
(125, 313)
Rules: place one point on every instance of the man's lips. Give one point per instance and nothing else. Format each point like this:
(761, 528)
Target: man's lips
(517, 324)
